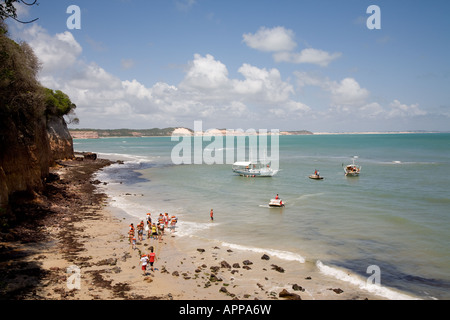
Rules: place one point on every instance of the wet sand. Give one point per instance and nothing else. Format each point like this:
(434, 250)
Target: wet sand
(79, 230)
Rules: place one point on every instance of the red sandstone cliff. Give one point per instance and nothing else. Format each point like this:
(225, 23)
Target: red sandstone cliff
(27, 150)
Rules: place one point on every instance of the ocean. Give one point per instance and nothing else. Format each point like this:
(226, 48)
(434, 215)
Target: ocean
(393, 218)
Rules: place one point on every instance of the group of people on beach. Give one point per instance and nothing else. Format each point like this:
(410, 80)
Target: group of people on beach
(155, 231)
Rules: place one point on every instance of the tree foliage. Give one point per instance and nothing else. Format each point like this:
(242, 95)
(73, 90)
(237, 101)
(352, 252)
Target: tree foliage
(21, 94)
(58, 103)
(19, 87)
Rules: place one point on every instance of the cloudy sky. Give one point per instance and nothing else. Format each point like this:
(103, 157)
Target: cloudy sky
(262, 64)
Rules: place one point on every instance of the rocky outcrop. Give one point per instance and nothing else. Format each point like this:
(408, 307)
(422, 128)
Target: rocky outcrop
(60, 139)
(24, 157)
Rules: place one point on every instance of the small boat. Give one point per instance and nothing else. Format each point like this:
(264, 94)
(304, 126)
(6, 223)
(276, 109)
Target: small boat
(316, 176)
(352, 170)
(253, 169)
(276, 203)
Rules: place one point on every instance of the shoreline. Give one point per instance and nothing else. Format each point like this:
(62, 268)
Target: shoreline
(95, 241)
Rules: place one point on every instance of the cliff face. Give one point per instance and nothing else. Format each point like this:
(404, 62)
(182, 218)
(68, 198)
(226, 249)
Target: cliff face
(60, 140)
(27, 149)
(33, 133)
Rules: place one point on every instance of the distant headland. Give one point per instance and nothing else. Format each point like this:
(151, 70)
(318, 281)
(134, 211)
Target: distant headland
(168, 132)
(155, 132)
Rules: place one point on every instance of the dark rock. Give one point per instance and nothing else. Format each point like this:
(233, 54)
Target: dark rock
(215, 278)
(110, 261)
(175, 274)
(126, 256)
(247, 262)
(296, 287)
(338, 290)
(214, 269)
(90, 155)
(236, 265)
(225, 264)
(223, 289)
(265, 257)
(277, 268)
(116, 269)
(201, 250)
(290, 296)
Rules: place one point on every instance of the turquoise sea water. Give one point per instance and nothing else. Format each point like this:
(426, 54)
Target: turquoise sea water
(395, 215)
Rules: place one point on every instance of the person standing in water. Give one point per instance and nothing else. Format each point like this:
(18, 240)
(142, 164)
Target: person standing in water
(211, 214)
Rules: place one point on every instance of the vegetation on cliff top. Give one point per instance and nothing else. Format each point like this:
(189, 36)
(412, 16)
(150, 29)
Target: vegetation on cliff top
(21, 94)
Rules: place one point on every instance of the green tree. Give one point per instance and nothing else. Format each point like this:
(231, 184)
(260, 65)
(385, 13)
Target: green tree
(19, 87)
(58, 103)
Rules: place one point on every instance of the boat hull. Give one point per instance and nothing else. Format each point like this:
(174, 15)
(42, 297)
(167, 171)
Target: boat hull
(255, 173)
(274, 203)
(315, 177)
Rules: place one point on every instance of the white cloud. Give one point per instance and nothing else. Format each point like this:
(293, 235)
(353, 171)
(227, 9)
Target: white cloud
(371, 110)
(205, 73)
(309, 55)
(271, 40)
(207, 80)
(206, 91)
(262, 85)
(280, 41)
(348, 97)
(56, 53)
(397, 109)
(348, 92)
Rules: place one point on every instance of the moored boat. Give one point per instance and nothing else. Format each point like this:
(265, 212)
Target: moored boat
(253, 169)
(352, 170)
(316, 176)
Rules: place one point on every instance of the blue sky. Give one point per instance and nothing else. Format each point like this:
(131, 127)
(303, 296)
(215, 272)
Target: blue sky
(287, 65)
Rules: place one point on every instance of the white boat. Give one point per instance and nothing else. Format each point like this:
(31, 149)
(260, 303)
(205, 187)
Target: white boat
(252, 169)
(276, 203)
(352, 170)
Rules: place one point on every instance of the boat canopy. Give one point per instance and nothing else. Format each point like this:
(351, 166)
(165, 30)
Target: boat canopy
(242, 164)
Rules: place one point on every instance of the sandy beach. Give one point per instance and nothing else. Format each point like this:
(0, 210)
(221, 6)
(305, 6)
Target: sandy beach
(80, 234)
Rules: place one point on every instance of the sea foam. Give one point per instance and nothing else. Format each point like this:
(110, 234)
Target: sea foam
(361, 283)
(284, 255)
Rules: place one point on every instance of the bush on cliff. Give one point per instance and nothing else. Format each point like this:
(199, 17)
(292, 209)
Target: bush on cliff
(20, 91)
